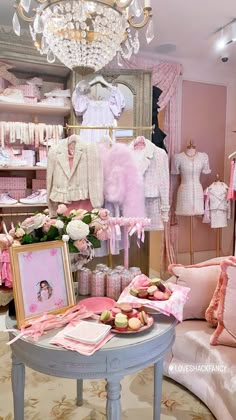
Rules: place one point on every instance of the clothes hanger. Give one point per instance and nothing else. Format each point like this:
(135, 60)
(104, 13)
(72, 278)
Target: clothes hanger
(232, 155)
(217, 178)
(100, 79)
(139, 142)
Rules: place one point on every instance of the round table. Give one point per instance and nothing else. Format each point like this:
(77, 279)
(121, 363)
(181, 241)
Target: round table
(122, 355)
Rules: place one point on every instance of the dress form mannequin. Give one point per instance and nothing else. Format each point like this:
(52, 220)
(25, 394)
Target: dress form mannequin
(190, 197)
(189, 165)
(191, 149)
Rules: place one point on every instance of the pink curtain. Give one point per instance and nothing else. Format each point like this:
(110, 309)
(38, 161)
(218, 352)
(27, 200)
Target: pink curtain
(166, 76)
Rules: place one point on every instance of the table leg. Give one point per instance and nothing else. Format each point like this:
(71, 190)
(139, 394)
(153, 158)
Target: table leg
(113, 406)
(18, 387)
(79, 400)
(158, 373)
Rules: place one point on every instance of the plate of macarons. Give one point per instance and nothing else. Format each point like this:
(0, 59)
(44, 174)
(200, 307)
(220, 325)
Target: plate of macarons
(124, 319)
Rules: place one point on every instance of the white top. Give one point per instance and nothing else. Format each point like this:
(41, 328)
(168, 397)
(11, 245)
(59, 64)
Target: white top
(98, 112)
(190, 198)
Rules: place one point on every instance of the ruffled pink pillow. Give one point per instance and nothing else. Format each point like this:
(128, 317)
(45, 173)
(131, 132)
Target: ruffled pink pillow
(225, 333)
(211, 312)
(202, 280)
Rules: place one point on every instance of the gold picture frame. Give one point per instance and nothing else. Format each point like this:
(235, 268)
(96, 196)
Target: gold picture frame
(42, 280)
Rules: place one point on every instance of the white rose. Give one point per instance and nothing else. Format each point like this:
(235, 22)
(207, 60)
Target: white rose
(65, 238)
(39, 220)
(77, 229)
(59, 224)
(73, 213)
(19, 232)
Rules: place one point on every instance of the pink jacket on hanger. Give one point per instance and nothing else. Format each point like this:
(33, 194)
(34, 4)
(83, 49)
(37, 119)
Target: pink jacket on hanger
(123, 182)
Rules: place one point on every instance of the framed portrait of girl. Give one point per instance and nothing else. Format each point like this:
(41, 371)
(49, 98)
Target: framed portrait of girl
(42, 279)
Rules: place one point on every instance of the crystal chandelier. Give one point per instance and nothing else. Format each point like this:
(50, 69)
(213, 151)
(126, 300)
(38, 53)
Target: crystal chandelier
(85, 35)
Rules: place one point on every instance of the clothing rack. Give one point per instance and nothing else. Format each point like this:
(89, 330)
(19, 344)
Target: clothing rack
(109, 128)
(16, 214)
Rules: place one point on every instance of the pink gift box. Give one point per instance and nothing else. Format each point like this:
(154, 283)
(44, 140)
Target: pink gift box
(41, 174)
(38, 184)
(29, 91)
(12, 183)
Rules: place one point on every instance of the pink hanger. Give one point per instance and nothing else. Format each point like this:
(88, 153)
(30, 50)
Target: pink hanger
(139, 143)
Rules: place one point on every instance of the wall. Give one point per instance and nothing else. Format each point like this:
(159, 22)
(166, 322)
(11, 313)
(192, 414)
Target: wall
(204, 121)
(208, 80)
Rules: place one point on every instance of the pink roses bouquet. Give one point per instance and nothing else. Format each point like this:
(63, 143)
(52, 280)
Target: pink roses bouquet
(81, 229)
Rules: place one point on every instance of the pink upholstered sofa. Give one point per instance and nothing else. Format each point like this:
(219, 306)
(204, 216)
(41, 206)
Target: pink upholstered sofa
(207, 371)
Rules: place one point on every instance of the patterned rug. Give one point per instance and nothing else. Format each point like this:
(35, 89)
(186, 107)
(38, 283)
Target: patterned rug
(49, 398)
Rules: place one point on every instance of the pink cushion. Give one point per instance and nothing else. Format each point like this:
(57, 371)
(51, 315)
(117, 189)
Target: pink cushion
(202, 280)
(225, 333)
(211, 312)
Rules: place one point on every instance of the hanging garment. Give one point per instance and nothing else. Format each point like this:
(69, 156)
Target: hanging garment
(158, 135)
(190, 197)
(83, 181)
(123, 183)
(217, 206)
(152, 163)
(123, 189)
(232, 184)
(5, 268)
(97, 112)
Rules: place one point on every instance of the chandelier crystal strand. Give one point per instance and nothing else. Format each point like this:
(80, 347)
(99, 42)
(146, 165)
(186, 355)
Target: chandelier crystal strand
(136, 8)
(85, 35)
(26, 5)
(16, 24)
(150, 32)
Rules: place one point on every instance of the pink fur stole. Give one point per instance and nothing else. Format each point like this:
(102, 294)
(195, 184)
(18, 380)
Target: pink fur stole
(123, 182)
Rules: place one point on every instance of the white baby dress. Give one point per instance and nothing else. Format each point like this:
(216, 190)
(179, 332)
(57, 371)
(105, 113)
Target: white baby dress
(190, 197)
(100, 113)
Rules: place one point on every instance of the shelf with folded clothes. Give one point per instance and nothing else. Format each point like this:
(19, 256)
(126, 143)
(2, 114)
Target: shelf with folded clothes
(23, 168)
(20, 205)
(35, 109)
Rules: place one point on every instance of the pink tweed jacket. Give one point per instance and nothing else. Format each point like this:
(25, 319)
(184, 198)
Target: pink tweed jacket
(83, 181)
(153, 165)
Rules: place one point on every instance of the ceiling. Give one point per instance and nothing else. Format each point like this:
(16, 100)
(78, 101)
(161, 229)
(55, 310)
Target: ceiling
(183, 29)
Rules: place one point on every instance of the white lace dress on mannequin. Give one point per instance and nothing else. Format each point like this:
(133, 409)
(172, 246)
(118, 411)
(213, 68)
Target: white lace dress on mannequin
(190, 197)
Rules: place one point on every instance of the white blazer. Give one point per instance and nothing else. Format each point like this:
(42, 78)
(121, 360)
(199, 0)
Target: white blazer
(83, 181)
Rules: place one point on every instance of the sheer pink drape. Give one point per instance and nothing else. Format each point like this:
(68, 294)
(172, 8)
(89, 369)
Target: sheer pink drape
(166, 76)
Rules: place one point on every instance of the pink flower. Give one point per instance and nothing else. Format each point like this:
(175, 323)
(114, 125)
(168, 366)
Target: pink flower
(103, 234)
(33, 222)
(96, 225)
(33, 307)
(81, 245)
(62, 209)
(103, 214)
(48, 223)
